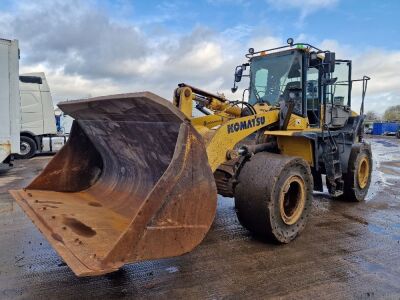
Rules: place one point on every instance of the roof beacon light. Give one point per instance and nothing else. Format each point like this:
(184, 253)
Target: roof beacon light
(290, 42)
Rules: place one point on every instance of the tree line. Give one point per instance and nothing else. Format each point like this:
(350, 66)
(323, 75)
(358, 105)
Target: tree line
(391, 114)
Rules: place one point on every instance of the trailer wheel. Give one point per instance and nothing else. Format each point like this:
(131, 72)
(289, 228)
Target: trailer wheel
(28, 148)
(358, 177)
(273, 197)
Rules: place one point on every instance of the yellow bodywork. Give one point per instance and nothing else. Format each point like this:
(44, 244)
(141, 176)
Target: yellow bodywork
(222, 130)
(296, 146)
(222, 139)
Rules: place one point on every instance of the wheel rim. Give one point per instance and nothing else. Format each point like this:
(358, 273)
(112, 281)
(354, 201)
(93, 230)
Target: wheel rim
(363, 172)
(292, 200)
(24, 148)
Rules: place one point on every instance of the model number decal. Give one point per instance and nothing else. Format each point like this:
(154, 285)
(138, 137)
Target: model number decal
(238, 126)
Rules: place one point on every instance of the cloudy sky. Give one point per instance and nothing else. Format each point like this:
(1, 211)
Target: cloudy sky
(100, 47)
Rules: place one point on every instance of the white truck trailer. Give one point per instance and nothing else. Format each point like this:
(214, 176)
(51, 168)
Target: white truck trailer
(27, 118)
(9, 101)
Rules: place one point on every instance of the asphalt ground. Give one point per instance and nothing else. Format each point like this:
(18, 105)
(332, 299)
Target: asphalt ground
(348, 250)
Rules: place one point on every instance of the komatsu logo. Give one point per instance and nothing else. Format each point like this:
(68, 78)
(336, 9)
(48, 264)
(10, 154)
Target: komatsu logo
(235, 127)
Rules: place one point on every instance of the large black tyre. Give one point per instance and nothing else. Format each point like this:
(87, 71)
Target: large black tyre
(28, 148)
(273, 196)
(358, 177)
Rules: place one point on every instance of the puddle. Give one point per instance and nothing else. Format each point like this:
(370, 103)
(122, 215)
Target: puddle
(391, 167)
(376, 229)
(172, 269)
(386, 143)
(386, 168)
(385, 231)
(372, 267)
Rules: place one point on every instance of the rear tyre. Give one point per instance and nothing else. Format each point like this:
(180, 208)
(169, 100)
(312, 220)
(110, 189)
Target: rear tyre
(28, 148)
(273, 197)
(358, 177)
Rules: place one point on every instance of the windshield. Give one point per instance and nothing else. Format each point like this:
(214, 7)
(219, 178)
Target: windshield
(272, 77)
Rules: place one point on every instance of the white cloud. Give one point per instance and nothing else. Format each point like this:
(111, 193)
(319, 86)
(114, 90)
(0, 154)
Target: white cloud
(85, 53)
(310, 4)
(305, 7)
(383, 88)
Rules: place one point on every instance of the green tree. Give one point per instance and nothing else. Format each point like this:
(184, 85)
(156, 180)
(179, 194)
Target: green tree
(392, 113)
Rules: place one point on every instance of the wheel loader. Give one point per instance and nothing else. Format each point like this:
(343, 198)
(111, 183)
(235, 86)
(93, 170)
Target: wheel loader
(139, 176)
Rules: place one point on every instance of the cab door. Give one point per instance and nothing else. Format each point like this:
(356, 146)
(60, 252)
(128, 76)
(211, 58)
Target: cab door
(31, 105)
(338, 97)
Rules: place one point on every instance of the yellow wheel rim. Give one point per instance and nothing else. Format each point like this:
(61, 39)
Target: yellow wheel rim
(292, 200)
(363, 172)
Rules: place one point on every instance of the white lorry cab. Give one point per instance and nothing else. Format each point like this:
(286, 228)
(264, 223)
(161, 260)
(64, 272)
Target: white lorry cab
(39, 132)
(9, 101)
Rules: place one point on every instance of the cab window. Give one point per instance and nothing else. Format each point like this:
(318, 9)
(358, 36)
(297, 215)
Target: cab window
(341, 88)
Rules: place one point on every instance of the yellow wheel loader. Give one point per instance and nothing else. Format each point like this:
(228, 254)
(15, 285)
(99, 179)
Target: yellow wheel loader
(139, 176)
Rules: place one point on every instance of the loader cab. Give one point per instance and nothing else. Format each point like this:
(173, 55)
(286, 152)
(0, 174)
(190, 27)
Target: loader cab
(316, 83)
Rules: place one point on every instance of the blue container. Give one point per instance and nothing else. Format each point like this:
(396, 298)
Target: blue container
(377, 128)
(387, 127)
(391, 127)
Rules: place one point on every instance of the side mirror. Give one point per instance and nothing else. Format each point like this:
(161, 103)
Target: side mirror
(329, 62)
(238, 73)
(238, 76)
(314, 61)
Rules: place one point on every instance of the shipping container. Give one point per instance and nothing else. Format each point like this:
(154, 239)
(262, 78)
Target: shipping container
(385, 128)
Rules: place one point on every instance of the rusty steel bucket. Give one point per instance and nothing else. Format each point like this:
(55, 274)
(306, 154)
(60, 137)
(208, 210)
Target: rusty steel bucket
(132, 183)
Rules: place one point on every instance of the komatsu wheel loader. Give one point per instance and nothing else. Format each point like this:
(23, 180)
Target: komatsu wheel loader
(139, 176)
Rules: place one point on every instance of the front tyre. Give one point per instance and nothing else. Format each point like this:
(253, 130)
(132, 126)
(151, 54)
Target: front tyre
(273, 197)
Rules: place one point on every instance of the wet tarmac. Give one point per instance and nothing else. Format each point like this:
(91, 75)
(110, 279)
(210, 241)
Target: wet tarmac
(348, 250)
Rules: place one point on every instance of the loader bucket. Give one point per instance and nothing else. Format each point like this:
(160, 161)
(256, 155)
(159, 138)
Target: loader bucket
(132, 183)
